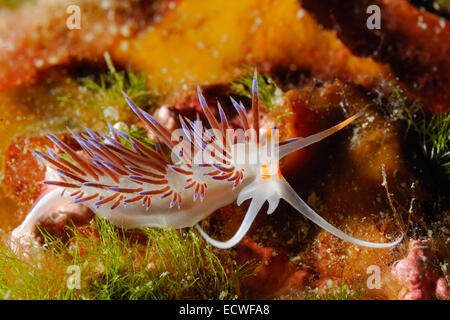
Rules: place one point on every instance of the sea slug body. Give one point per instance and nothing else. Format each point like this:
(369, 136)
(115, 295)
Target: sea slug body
(208, 168)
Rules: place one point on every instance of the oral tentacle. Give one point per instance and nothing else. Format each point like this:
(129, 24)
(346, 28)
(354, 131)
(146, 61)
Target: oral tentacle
(273, 201)
(250, 216)
(247, 193)
(289, 194)
(299, 143)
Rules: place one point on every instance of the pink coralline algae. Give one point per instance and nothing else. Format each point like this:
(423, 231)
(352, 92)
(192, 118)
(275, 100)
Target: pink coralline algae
(419, 276)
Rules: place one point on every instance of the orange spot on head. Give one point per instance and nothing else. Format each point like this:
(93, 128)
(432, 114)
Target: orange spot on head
(265, 171)
(268, 171)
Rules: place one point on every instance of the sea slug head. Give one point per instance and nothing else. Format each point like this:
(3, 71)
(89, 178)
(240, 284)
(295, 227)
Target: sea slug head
(267, 183)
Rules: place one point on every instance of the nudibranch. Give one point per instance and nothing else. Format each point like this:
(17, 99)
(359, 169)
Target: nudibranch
(134, 185)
